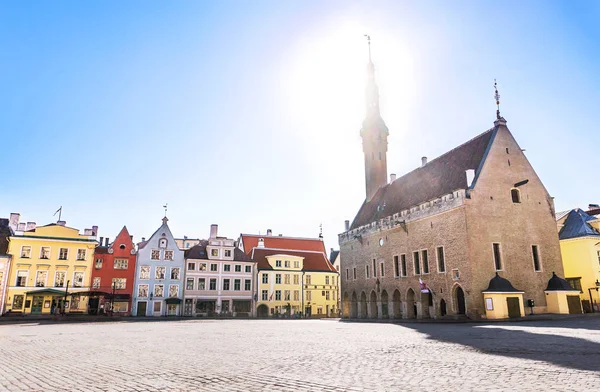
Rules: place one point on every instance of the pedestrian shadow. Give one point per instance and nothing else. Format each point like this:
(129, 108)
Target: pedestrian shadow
(514, 340)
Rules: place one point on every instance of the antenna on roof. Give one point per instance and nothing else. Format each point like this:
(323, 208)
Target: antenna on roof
(497, 98)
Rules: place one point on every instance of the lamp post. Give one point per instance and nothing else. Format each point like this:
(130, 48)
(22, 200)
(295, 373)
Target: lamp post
(65, 300)
(597, 283)
(112, 298)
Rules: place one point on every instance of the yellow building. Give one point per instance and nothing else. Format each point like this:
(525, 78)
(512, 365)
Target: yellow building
(50, 265)
(295, 283)
(579, 235)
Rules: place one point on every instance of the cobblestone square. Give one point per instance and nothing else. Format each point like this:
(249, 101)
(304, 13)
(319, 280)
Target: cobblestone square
(300, 355)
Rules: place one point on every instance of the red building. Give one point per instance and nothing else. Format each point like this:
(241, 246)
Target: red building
(113, 275)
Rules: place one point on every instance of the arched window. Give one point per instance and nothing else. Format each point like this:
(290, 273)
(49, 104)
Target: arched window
(516, 195)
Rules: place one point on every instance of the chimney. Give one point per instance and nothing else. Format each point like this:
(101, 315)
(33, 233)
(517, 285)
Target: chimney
(106, 241)
(30, 226)
(185, 237)
(61, 223)
(131, 238)
(143, 239)
(87, 232)
(269, 232)
(347, 225)
(101, 239)
(94, 230)
(261, 243)
(392, 177)
(214, 230)
(470, 177)
(13, 221)
(423, 161)
(593, 207)
(21, 226)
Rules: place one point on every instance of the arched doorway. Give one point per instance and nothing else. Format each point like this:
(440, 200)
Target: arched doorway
(397, 304)
(411, 305)
(262, 311)
(443, 308)
(384, 304)
(426, 305)
(459, 296)
(346, 306)
(373, 306)
(363, 305)
(354, 306)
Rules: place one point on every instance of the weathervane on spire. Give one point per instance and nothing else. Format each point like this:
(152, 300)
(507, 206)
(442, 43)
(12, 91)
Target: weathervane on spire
(497, 98)
(165, 207)
(368, 37)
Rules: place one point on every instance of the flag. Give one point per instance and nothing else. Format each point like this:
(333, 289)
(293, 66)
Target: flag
(271, 297)
(424, 288)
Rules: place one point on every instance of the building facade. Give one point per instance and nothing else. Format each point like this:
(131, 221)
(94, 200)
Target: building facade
(51, 268)
(5, 258)
(336, 260)
(113, 275)
(159, 275)
(429, 244)
(219, 279)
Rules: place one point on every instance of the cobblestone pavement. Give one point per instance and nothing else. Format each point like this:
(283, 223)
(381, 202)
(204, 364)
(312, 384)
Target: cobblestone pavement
(300, 355)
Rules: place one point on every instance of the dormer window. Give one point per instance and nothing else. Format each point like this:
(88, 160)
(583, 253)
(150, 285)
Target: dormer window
(516, 195)
(214, 252)
(162, 243)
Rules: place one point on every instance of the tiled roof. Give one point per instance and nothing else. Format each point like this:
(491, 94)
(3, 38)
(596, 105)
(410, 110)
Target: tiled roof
(101, 250)
(313, 261)
(562, 214)
(276, 242)
(333, 255)
(440, 176)
(576, 225)
(199, 252)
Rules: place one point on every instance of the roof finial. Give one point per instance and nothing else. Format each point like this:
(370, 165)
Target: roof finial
(368, 37)
(165, 207)
(497, 98)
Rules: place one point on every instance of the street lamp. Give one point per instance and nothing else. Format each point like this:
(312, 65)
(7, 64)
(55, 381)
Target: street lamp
(112, 298)
(590, 293)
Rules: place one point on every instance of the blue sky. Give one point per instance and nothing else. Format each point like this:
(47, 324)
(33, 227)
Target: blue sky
(247, 114)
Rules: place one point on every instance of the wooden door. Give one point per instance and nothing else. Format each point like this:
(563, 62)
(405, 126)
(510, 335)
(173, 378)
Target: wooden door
(514, 307)
(574, 304)
(141, 309)
(37, 304)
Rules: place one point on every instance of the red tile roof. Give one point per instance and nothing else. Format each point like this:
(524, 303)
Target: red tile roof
(313, 261)
(250, 241)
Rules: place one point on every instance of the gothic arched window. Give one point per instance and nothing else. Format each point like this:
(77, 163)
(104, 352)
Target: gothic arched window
(516, 195)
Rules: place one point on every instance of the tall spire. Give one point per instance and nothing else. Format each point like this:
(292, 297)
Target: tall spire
(372, 91)
(497, 98)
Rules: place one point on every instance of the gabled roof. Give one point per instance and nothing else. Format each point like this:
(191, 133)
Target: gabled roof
(440, 176)
(576, 225)
(313, 261)
(250, 241)
(199, 252)
(333, 255)
(562, 214)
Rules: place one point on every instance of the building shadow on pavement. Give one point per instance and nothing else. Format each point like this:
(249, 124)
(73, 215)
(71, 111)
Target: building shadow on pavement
(522, 340)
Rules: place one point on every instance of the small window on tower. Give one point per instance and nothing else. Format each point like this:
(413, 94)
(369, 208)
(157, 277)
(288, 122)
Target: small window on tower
(516, 196)
(380, 156)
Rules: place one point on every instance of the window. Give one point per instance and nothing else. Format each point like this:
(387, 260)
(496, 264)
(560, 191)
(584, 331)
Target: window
(598, 256)
(78, 279)
(18, 302)
(367, 271)
(238, 268)
(155, 254)
(277, 278)
(143, 291)
(309, 295)
(497, 257)
(157, 306)
(247, 284)
(169, 255)
(40, 279)
(286, 278)
(327, 295)
(226, 267)
(248, 269)
(441, 261)
(265, 278)
(286, 295)
(308, 279)
(212, 284)
(265, 295)
(214, 267)
(201, 266)
(122, 246)
(417, 263)
(214, 252)
(425, 259)
(119, 283)
(374, 268)
(26, 252)
(354, 273)
(98, 264)
(396, 267)
(227, 252)
(96, 283)
(81, 254)
(296, 295)
(191, 266)
(121, 264)
(59, 278)
(287, 264)
(277, 263)
(326, 279)
(297, 264)
(536, 258)
(201, 284)
(45, 252)
(159, 290)
(237, 284)
(403, 271)
(277, 295)
(189, 284)
(175, 273)
(225, 284)
(516, 195)
(575, 283)
(160, 273)
(145, 272)
(162, 243)
(120, 307)
(173, 290)
(63, 253)
(382, 269)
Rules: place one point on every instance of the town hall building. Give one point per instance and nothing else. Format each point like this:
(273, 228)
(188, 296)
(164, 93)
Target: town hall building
(471, 233)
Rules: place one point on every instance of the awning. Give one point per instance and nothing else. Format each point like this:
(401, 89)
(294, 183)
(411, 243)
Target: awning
(47, 291)
(173, 301)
